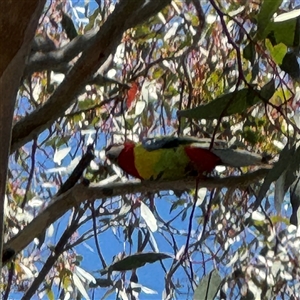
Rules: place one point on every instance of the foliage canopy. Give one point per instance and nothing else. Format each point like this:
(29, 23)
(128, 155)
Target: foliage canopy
(76, 77)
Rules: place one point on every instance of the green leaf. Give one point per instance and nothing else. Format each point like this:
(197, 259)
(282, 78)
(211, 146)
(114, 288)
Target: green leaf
(177, 203)
(255, 70)
(249, 52)
(268, 8)
(194, 20)
(280, 31)
(295, 202)
(51, 141)
(137, 260)
(62, 141)
(267, 91)
(77, 118)
(225, 105)
(279, 167)
(250, 136)
(79, 258)
(86, 103)
(277, 52)
(208, 286)
(50, 294)
(229, 104)
(68, 25)
(297, 33)
(277, 33)
(92, 19)
(290, 65)
(157, 73)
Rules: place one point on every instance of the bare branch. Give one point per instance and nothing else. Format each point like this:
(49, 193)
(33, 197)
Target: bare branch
(58, 60)
(80, 193)
(126, 14)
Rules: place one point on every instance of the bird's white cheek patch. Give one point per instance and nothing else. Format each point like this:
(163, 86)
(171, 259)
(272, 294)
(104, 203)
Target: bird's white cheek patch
(220, 169)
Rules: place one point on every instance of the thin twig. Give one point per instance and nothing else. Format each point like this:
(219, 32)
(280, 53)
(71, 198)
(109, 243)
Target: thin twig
(59, 249)
(34, 147)
(78, 171)
(9, 281)
(96, 236)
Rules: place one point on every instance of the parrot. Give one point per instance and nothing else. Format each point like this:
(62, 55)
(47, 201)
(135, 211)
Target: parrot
(171, 158)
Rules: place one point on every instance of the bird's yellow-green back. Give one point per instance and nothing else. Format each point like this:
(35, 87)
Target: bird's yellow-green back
(162, 163)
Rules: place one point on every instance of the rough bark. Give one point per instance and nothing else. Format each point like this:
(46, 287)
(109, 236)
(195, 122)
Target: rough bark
(126, 14)
(18, 22)
(80, 193)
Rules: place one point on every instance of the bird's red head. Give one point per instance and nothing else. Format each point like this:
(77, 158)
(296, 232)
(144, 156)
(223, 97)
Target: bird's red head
(123, 156)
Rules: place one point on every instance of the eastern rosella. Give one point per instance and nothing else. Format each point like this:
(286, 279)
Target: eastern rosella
(174, 158)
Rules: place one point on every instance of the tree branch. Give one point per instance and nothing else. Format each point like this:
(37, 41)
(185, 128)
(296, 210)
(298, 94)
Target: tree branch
(126, 14)
(58, 250)
(18, 23)
(58, 60)
(80, 193)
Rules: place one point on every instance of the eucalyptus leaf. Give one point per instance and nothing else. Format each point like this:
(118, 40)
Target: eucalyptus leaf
(137, 260)
(231, 103)
(208, 286)
(279, 167)
(268, 8)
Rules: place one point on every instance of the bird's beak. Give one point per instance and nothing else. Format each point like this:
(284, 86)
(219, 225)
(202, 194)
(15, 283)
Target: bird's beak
(112, 152)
